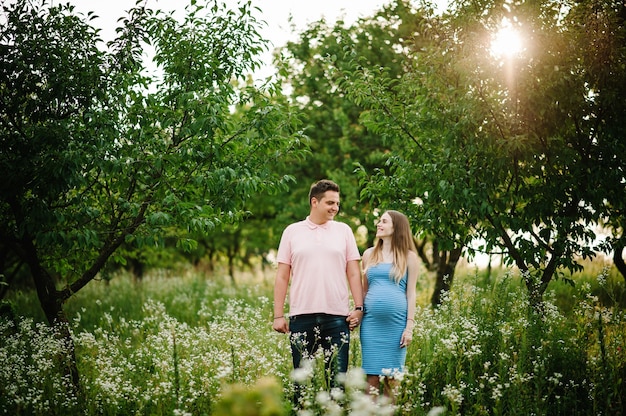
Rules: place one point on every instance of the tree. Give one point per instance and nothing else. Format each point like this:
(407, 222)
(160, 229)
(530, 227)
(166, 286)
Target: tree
(522, 151)
(315, 67)
(602, 41)
(99, 154)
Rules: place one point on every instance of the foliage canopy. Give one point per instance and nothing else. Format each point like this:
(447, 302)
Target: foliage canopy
(524, 151)
(99, 153)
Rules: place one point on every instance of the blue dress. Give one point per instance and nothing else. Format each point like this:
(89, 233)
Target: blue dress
(383, 323)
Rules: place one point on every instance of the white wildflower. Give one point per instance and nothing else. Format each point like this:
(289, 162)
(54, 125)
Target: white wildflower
(451, 342)
(304, 372)
(354, 379)
(323, 398)
(453, 394)
(436, 411)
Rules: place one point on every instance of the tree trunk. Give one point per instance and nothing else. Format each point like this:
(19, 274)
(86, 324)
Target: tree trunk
(445, 274)
(231, 269)
(136, 267)
(51, 301)
(233, 253)
(618, 259)
(430, 264)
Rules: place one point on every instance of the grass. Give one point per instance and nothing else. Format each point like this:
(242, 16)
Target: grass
(188, 345)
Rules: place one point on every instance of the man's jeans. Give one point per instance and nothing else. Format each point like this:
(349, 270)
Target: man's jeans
(309, 332)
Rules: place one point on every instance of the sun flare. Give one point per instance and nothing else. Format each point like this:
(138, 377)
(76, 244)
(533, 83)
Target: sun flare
(506, 42)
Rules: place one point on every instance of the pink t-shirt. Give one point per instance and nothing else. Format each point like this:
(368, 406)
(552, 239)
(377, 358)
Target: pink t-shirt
(318, 256)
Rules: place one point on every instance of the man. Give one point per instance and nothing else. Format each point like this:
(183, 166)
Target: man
(317, 259)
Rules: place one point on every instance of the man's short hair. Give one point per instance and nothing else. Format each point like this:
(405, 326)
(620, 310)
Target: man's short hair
(320, 187)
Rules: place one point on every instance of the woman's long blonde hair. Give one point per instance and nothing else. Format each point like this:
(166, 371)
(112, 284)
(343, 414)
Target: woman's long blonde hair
(401, 243)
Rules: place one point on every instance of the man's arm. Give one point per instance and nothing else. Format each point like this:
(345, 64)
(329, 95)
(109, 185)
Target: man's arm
(281, 284)
(354, 280)
(356, 288)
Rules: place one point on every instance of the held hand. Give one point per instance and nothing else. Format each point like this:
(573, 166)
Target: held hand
(354, 319)
(281, 325)
(407, 337)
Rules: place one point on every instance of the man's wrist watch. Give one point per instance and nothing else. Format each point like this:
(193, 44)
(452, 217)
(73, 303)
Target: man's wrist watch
(359, 308)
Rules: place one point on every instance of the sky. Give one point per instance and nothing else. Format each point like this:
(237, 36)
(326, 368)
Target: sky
(275, 12)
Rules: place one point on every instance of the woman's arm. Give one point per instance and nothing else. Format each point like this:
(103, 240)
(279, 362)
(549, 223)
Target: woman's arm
(407, 335)
(364, 263)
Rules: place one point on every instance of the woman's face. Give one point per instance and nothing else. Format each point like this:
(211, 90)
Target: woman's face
(384, 228)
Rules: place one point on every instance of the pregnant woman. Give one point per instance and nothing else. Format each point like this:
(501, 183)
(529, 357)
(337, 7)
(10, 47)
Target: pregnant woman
(390, 276)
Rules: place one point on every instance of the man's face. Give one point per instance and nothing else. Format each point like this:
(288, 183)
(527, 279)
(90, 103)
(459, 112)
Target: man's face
(327, 207)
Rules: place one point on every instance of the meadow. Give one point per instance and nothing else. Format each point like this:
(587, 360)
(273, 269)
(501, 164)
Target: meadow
(194, 344)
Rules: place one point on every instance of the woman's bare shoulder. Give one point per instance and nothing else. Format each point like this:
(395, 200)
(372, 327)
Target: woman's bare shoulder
(368, 253)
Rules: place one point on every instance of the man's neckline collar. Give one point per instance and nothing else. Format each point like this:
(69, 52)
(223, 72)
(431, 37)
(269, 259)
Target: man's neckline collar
(313, 225)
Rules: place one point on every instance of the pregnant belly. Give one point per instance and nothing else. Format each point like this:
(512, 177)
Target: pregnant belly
(385, 303)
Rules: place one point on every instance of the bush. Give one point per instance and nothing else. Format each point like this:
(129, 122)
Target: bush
(191, 346)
